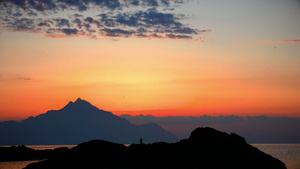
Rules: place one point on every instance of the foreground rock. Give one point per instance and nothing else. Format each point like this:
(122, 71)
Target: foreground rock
(23, 153)
(206, 148)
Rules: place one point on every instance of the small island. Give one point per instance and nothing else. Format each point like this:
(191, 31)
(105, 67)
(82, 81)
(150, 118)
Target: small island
(206, 148)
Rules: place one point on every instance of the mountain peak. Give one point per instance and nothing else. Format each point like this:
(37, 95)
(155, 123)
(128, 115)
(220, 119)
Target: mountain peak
(79, 100)
(79, 104)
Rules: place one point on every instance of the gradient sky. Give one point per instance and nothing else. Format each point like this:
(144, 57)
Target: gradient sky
(159, 57)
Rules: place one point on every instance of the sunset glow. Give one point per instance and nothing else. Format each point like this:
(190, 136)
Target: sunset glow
(242, 68)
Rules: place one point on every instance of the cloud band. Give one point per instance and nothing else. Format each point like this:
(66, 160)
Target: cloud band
(116, 18)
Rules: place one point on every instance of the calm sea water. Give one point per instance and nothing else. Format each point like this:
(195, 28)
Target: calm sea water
(287, 153)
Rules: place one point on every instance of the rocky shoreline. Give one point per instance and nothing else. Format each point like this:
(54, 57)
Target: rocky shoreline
(206, 148)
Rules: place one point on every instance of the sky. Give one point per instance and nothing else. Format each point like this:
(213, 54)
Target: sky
(158, 57)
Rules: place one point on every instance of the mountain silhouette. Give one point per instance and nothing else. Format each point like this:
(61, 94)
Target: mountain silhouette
(78, 122)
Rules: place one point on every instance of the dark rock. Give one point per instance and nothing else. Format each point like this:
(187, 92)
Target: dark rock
(22, 153)
(206, 148)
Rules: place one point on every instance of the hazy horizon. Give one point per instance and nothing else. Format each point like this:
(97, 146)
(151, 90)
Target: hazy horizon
(255, 129)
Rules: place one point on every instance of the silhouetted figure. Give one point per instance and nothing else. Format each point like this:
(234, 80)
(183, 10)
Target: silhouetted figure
(141, 141)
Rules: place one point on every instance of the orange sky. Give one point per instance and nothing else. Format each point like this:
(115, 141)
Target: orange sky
(181, 78)
(227, 73)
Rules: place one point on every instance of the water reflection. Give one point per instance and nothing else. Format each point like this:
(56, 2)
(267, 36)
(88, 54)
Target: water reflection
(15, 164)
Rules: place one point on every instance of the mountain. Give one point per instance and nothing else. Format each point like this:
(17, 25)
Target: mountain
(78, 122)
(255, 129)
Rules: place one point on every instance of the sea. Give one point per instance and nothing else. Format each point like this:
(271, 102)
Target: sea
(287, 153)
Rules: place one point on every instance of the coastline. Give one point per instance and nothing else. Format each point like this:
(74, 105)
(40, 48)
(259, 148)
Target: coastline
(291, 162)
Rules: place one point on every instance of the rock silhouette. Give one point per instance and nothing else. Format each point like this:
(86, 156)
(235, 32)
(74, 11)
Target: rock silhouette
(79, 122)
(206, 148)
(23, 153)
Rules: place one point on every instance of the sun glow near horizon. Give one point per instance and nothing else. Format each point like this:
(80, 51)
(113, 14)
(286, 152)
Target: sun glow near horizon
(153, 63)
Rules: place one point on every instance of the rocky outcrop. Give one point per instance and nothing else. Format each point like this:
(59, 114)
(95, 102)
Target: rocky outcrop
(23, 153)
(206, 148)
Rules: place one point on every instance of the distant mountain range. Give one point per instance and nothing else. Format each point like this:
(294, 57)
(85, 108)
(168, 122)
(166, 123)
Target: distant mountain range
(78, 122)
(255, 129)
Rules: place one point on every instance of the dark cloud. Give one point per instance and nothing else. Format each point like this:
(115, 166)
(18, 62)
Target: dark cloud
(125, 19)
(162, 25)
(61, 22)
(18, 14)
(135, 2)
(117, 32)
(22, 24)
(82, 5)
(78, 22)
(185, 30)
(77, 15)
(44, 23)
(87, 26)
(89, 19)
(31, 13)
(156, 3)
(165, 2)
(173, 36)
(111, 4)
(153, 3)
(169, 9)
(141, 30)
(39, 5)
(113, 21)
(205, 31)
(106, 21)
(64, 32)
(179, 1)
(70, 31)
(18, 2)
(153, 17)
